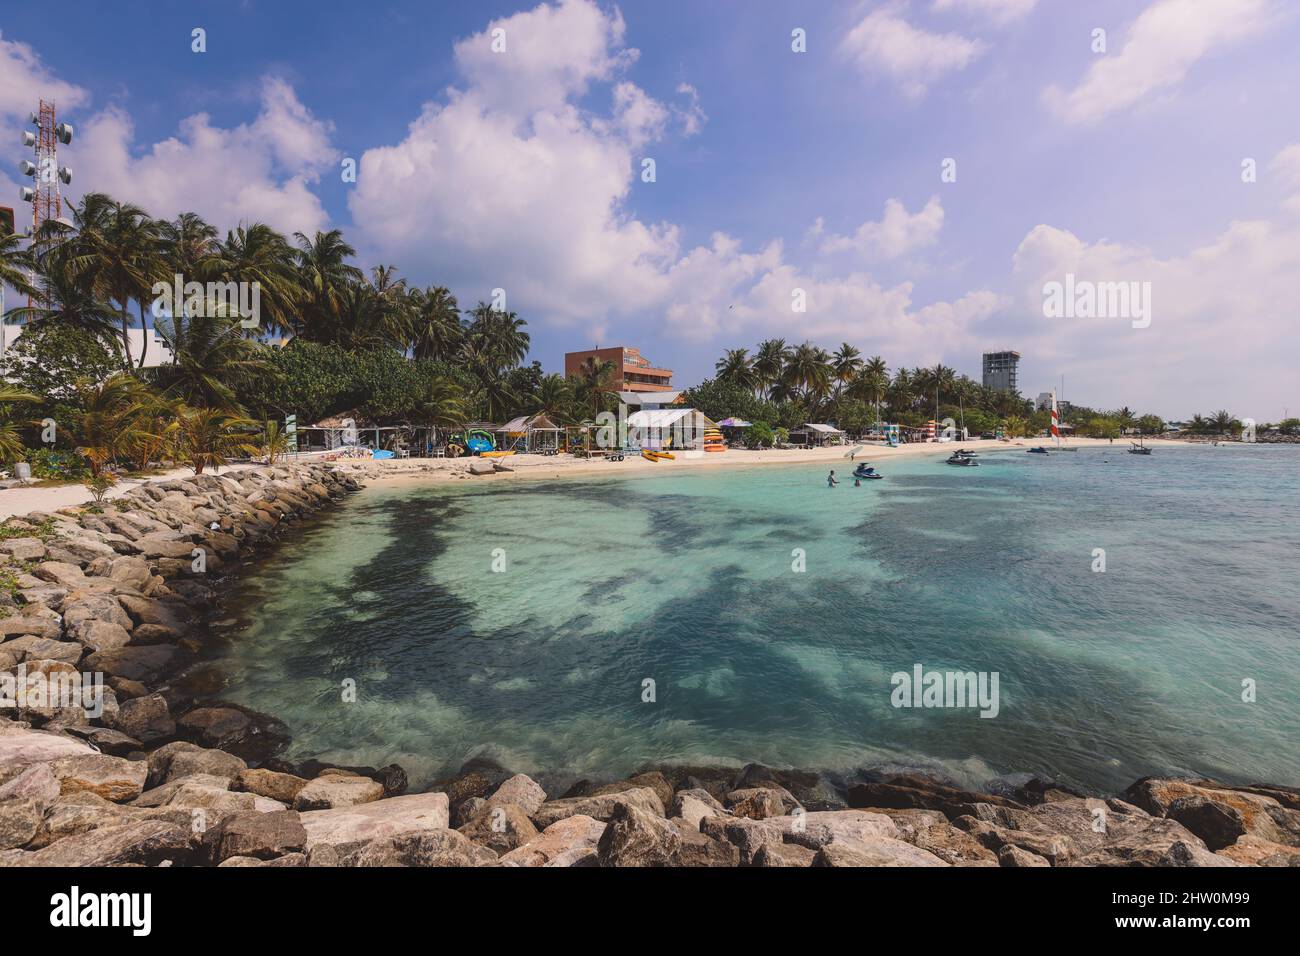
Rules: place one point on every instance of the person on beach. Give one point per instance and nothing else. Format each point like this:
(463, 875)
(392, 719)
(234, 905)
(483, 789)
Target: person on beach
(831, 481)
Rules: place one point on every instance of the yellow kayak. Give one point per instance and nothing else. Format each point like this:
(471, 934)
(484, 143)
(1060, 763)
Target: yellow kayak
(495, 454)
(649, 456)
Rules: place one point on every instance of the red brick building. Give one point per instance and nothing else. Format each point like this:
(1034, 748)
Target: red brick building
(632, 372)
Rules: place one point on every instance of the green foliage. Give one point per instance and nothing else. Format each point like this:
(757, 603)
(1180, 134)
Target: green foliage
(48, 359)
(759, 435)
(57, 464)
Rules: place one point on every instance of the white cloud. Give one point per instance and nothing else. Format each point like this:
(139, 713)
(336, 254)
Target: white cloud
(998, 12)
(256, 171)
(551, 53)
(1165, 41)
(886, 43)
(25, 79)
(1286, 167)
(1218, 315)
(896, 234)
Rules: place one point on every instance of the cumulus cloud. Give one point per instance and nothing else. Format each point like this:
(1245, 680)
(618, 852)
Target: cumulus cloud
(1218, 314)
(486, 193)
(1165, 41)
(538, 59)
(998, 12)
(256, 171)
(898, 232)
(883, 42)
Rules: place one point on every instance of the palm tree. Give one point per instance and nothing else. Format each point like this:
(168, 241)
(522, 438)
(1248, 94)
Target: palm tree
(808, 370)
(11, 442)
(594, 389)
(1223, 422)
(274, 442)
(435, 331)
(553, 398)
(208, 351)
(109, 420)
(871, 383)
(902, 390)
(736, 368)
(112, 249)
(443, 405)
(769, 363)
(207, 437)
(258, 255)
(65, 303)
(324, 275)
(846, 363)
(497, 337)
(16, 265)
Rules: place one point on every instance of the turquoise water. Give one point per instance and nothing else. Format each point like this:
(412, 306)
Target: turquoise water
(687, 580)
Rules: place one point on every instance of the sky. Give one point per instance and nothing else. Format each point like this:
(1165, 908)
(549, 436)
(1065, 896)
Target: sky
(906, 176)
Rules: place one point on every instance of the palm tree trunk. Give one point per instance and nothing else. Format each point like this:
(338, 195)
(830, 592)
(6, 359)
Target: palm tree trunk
(144, 336)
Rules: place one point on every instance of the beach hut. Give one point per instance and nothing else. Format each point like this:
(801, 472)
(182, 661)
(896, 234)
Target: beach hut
(660, 429)
(530, 434)
(817, 434)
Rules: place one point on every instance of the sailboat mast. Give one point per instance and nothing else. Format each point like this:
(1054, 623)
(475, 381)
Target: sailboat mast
(1056, 421)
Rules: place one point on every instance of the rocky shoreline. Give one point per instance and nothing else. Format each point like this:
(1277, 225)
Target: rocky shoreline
(159, 774)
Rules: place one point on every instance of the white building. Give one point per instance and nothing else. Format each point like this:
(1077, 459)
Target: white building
(158, 353)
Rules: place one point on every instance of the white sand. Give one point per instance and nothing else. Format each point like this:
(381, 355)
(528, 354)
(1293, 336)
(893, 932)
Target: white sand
(438, 470)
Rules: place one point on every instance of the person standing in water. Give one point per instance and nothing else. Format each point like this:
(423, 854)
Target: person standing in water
(831, 481)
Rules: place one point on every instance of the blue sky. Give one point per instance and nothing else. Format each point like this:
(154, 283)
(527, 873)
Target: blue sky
(776, 171)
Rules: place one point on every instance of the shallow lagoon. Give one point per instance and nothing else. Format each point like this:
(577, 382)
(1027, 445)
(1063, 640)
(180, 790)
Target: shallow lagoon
(688, 580)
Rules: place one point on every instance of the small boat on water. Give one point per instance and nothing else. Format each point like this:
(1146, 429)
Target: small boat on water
(1036, 450)
(1138, 448)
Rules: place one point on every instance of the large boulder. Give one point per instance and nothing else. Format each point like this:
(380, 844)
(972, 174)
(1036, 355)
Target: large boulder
(874, 851)
(916, 792)
(261, 835)
(147, 842)
(500, 828)
(520, 790)
(21, 747)
(147, 664)
(815, 830)
(420, 848)
(147, 719)
(284, 787)
(748, 836)
(113, 778)
(638, 838)
(1081, 831)
(597, 806)
(1268, 813)
(215, 763)
(694, 805)
(370, 821)
(572, 840)
(335, 790)
(247, 734)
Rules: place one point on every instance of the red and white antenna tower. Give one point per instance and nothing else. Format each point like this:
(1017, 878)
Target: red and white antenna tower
(46, 173)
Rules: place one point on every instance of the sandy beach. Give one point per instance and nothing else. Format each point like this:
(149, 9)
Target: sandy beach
(438, 470)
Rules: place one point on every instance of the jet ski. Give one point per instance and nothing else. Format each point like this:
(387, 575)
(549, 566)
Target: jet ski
(963, 460)
(1040, 450)
(862, 471)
